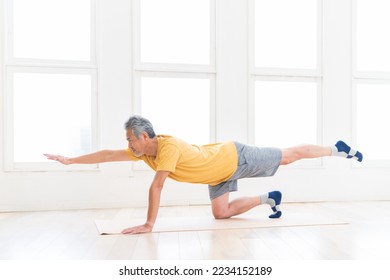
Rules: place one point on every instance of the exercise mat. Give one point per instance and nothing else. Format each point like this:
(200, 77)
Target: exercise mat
(175, 224)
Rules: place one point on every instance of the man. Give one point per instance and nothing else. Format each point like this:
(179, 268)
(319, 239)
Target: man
(219, 165)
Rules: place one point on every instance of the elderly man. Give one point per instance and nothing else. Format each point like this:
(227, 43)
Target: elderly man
(218, 165)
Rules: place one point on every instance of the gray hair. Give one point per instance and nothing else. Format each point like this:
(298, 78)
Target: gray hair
(138, 124)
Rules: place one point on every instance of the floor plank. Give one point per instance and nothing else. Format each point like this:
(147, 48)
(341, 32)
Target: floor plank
(72, 235)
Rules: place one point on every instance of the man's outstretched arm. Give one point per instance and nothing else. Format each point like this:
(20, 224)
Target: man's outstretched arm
(154, 204)
(97, 157)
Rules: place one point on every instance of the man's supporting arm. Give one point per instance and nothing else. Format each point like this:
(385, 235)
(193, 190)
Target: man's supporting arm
(154, 204)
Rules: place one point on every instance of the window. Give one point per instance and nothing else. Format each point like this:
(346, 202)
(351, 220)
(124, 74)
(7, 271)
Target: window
(285, 66)
(178, 106)
(51, 81)
(170, 36)
(52, 113)
(174, 66)
(372, 42)
(52, 29)
(285, 34)
(373, 115)
(372, 79)
(286, 113)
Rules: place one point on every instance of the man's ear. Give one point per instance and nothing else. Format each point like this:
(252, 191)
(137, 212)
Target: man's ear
(144, 135)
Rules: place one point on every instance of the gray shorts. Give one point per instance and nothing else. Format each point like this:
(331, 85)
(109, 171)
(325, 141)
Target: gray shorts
(252, 162)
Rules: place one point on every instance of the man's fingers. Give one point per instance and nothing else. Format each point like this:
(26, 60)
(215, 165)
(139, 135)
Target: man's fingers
(49, 156)
(126, 231)
(136, 230)
(61, 159)
(52, 157)
(132, 230)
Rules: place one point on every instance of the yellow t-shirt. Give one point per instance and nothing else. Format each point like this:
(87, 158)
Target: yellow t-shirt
(209, 164)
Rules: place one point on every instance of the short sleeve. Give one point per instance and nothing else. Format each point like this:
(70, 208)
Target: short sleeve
(168, 158)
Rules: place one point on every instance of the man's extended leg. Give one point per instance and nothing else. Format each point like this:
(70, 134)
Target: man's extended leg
(223, 209)
(289, 155)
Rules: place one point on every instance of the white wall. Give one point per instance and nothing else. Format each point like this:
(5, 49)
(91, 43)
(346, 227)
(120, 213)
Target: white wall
(118, 185)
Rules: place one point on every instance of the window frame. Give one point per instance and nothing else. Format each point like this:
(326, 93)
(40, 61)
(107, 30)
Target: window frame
(171, 67)
(137, 100)
(290, 72)
(137, 96)
(32, 65)
(363, 77)
(11, 60)
(374, 163)
(171, 70)
(287, 75)
(314, 163)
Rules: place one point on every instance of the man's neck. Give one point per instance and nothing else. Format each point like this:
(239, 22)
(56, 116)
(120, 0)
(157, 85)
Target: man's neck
(152, 147)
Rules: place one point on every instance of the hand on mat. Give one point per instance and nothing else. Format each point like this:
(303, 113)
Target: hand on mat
(138, 229)
(61, 159)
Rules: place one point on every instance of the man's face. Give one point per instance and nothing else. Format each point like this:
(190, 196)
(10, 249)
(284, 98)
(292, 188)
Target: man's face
(135, 145)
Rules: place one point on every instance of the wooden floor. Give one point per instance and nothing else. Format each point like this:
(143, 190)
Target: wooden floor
(68, 235)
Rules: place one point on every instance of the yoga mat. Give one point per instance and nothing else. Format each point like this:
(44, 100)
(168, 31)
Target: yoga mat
(175, 224)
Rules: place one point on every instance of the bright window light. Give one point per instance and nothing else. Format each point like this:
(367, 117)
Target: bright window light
(373, 115)
(286, 34)
(373, 40)
(52, 114)
(178, 106)
(285, 113)
(175, 31)
(52, 29)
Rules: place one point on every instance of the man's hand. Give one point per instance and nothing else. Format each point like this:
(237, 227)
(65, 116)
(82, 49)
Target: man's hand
(154, 203)
(138, 229)
(61, 159)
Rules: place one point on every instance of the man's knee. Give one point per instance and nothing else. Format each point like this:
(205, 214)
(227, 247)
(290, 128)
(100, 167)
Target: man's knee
(220, 206)
(220, 213)
(290, 155)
